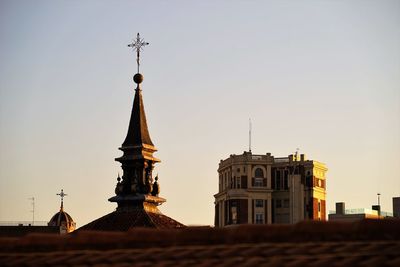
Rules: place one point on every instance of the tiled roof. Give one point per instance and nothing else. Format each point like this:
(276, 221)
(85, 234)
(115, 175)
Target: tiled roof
(124, 220)
(365, 243)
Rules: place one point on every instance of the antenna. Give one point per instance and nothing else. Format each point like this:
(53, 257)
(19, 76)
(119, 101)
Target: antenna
(379, 199)
(33, 209)
(249, 135)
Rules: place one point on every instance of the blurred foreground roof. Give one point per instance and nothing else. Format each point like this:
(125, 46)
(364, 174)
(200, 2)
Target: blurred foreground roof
(311, 243)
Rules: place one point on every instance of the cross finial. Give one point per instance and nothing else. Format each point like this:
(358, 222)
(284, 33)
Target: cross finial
(138, 46)
(62, 195)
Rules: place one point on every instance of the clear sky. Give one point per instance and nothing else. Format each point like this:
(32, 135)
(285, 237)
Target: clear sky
(322, 76)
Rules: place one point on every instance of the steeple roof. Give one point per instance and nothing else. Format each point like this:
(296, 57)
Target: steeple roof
(138, 132)
(138, 144)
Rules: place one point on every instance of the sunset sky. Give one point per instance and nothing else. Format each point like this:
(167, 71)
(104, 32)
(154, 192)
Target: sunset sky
(321, 76)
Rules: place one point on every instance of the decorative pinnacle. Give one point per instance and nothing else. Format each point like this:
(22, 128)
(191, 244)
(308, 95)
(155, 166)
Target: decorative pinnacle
(138, 46)
(62, 195)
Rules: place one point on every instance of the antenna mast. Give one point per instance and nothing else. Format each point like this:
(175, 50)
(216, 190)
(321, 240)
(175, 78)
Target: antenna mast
(33, 209)
(249, 135)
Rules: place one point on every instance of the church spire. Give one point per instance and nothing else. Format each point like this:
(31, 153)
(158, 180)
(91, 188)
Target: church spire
(138, 143)
(138, 132)
(136, 192)
(137, 160)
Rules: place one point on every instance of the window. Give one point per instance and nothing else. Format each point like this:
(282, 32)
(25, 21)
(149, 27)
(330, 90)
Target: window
(259, 173)
(278, 183)
(259, 218)
(234, 214)
(238, 185)
(278, 180)
(319, 206)
(279, 203)
(286, 203)
(258, 182)
(259, 203)
(286, 180)
(238, 170)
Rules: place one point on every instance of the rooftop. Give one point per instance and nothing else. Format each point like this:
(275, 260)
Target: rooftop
(311, 243)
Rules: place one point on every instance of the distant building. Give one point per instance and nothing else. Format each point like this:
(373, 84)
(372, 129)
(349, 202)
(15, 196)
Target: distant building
(352, 215)
(262, 189)
(62, 219)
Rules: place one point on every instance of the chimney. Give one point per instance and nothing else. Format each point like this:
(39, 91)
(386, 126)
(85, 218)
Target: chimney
(340, 208)
(396, 207)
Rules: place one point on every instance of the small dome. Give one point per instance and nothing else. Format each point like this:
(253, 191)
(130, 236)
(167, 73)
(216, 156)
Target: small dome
(64, 220)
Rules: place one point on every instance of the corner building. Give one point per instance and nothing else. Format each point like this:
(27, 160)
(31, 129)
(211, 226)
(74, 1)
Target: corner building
(262, 189)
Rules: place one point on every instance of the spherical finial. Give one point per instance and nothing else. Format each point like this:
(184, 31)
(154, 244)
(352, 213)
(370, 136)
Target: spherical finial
(138, 78)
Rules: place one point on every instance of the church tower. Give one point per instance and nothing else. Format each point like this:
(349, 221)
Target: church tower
(136, 192)
(137, 162)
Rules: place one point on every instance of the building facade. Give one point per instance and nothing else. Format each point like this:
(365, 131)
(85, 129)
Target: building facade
(262, 189)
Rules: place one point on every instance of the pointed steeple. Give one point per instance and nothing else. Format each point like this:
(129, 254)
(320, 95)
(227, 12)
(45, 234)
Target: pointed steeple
(138, 132)
(137, 161)
(136, 194)
(138, 144)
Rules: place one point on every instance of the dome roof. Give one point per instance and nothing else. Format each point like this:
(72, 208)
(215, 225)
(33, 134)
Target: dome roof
(59, 218)
(62, 219)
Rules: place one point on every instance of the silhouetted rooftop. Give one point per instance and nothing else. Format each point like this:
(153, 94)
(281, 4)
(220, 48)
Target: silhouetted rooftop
(365, 243)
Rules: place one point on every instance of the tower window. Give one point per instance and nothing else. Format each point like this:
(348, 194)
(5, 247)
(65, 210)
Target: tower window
(278, 203)
(258, 182)
(259, 203)
(259, 218)
(286, 203)
(238, 185)
(259, 173)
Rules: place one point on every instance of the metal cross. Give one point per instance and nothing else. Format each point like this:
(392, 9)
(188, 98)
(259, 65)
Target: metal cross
(138, 46)
(62, 195)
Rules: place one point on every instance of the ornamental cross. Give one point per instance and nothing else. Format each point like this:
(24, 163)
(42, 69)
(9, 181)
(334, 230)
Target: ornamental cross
(62, 195)
(138, 46)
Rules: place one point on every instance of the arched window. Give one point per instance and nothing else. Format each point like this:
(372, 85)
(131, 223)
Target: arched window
(259, 173)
